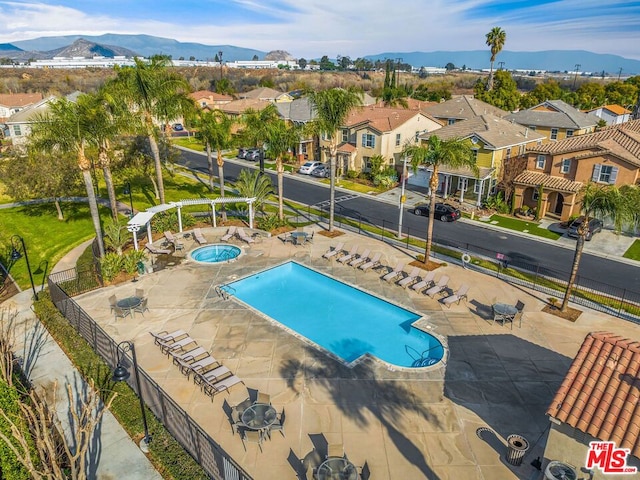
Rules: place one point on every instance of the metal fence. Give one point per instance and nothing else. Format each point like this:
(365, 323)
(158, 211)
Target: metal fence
(209, 455)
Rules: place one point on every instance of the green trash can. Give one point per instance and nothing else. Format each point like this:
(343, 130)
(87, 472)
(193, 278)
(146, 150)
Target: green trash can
(141, 269)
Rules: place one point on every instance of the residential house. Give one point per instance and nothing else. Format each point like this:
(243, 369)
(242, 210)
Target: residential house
(19, 124)
(300, 112)
(598, 401)
(208, 99)
(612, 114)
(236, 108)
(370, 131)
(494, 142)
(559, 170)
(267, 94)
(461, 108)
(412, 104)
(555, 120)
(11, 103)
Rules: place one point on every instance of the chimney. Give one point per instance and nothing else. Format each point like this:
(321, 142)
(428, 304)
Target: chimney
(526, 132)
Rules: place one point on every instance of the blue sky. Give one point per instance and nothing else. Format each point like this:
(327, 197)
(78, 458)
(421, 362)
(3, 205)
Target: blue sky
(354, 28)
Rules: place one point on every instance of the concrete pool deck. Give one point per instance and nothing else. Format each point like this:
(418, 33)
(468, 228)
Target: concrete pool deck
(404, 424)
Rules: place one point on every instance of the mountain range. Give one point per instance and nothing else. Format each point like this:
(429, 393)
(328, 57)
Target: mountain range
(109, 45)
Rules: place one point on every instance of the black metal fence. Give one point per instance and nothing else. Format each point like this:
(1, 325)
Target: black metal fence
(213, 459)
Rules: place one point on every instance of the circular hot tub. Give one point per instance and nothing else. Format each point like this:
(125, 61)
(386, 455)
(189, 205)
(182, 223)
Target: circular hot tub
(216, 253)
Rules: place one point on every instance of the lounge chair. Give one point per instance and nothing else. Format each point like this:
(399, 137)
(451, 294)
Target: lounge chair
(212, 376)
(199, 237)
(332, 252)
(460, 294)
(360, 258)
(242, 235)
(173, 241)
(411, 278)
(166, 337)
(190, 356)
(187, 367)
(426, 282)
(439, 287)
(157, 251)
(231, 232)
(372, 263)
(349, 256)
(393, 274)
(183, 345)
(212, 389)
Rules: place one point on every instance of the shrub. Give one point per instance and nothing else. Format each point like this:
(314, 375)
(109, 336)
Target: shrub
(111, 265)
(169, 221)
(10, 467)
(270, 222)
(131, 259)
(352, 174)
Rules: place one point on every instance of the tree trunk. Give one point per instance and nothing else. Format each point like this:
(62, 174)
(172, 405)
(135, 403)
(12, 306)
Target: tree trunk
(490, 81)
(210, 165)
(280, 171)
(156, 158)
(332, 183)
(93, 208)
(433, 185)
(583, 229)
(56, 202)
(220, 161)
(155, 185)
(108, 180)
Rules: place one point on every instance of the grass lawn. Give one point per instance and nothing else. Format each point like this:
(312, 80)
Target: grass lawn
(356, 186)
(634, 251)
(522, 226)
(188, 142)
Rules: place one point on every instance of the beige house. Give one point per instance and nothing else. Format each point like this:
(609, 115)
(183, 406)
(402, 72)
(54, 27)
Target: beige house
(267, 94)
(610, 156)
(461, 108)
(370, 131)
(11, 103)
(19, 124)
(236, 108)
(208, 99)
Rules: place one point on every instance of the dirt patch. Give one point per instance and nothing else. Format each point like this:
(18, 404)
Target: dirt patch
(327, 233)
(427, 266)
(279, 230)
(571, 314)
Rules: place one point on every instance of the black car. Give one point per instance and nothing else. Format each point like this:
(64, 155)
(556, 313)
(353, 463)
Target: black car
(595, 226)
(444, 211)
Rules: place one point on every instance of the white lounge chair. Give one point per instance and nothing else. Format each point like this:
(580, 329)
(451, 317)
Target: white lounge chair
(360, 258)
(212, 389)
(426, 282)
(332, 252)
(393, 274)
(173, 241)
(178, 346)
(439, 287)
(167, 338)
(200, 366)
(193, 355)
(372, 263)
(231, 231)
(411, 277)
(212, 376)
(157, 251)
(460, 294)
(349, 256)
(199, 237)
(242, 235)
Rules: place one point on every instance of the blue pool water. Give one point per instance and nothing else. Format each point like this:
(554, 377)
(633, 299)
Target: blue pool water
(215, 253)
(342, 319)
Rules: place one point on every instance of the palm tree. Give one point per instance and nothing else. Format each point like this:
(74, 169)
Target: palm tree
(454, 153)
(65, 127)
(495, 40)
(597, 201)
(251, 184)
(256, 124)
(331, 108)
(280, 139)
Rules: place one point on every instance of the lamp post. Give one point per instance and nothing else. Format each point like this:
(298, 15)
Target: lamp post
(121, 373)
(220, 58)
(127, 190)
(16, 255)
(402, 197)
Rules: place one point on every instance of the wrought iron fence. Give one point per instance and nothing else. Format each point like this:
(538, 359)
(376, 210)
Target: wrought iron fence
(209, 454)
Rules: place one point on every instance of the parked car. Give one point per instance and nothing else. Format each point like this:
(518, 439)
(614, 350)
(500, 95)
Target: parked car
(242, 152)
(595, 226)
(321, 171)
(253, 154)
(444, 211)
(177, 127)
(308, 167)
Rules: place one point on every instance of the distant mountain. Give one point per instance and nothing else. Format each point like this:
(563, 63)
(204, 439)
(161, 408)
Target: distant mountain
(550, 60)
(8, 47)
(87, 49)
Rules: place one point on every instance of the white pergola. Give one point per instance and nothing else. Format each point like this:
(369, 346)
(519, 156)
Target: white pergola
(144, 218)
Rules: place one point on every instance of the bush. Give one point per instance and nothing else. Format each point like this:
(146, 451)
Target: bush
(271, 222)
(351, 174)
(111, 265)
(10, 466)
(131, 259)
(168, 221)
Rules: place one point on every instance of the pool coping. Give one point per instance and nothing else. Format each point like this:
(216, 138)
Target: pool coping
(389, 366)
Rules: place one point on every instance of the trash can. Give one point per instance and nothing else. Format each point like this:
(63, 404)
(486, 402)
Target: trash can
(517, 446)
(141, 269)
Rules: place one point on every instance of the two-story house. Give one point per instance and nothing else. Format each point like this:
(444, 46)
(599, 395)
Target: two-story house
(19, 124)
(370, 131)
(559, 170)
(494, 142)
(208, 99)
(236, 108)
(267, 94)
(11, 103)
(460, 108)
(300, 112)
(555, 120)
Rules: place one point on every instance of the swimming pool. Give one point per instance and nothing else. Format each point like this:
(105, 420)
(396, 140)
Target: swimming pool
(216, 253)
(342, 319)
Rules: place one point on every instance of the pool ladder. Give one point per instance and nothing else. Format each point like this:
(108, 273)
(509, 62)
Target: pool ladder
(419, 360)
(226, 255)
(224, 291)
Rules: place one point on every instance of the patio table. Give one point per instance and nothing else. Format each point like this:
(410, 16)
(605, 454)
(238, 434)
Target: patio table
(337, 468)
(299, 238)
(129, 303)
(503, 312)
(259, 416)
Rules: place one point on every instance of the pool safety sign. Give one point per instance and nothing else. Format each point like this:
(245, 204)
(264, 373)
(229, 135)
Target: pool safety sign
(608, 458)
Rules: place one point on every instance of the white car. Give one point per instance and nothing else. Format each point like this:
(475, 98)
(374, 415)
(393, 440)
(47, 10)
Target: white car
(308, 167)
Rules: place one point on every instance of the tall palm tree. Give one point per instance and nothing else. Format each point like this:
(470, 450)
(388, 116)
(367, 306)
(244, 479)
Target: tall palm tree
(435, 153)
(251, 184)
(65, 127)
(597, 201)
(256, 123)
(281, 139)
(331, 108)
(495, 39)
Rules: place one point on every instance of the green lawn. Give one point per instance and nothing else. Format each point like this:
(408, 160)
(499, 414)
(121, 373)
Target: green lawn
(522, 226)
(634, 251)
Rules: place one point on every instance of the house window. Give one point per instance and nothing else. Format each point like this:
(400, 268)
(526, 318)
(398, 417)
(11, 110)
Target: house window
(368, 140)
(554, 134)
(475, 154)
(476, 187)
(345, 135)
(535, 195)
(569, 133)
(540, 162)
(494, 186)
(508, 152)
(17, 131)
(604, 174)
(566, 165)
(303, 148)
(532, 127)
(451, 121)
(397, 139)
(366, 164)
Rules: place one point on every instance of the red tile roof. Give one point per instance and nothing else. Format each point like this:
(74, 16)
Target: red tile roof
(601, 393)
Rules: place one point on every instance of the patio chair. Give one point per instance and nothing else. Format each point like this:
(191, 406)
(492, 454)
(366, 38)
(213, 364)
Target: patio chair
(426, 282)
(310, 237)
(139, 293)
(372, 263)
(286, 238)
(333, 251)
(252, 436)
(187, 367)
(173, 241)
(113, 302)
(519, 306)
(335, 450)
(120, 312)
(365, 473)
(166, 337)
(460, 294)
(411, 278)
(157, 251)
(199, 237)
(142, 307)
(242, 235)
(231, 231)
(393, 274)
(212, 376)
(197, 353)
(439, 287)
(211, 389)
(183, 345)
(360, 258)
(278, 424)
(263, 398)
(349, 256)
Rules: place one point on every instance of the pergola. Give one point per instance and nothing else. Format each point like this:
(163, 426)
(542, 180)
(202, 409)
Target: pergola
(144, 218)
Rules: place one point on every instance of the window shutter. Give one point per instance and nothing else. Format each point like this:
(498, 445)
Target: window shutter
(596, 172)
(364, 139)
(614, 175)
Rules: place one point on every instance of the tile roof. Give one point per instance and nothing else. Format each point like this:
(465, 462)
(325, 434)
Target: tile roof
(299, 110)
(556, 114)
(263, 93)
(554, 183)
(19, 99)
(382, 119)
(494, 131)
(600, 394)
(616, 109)
(241, 106)
(346, 148)
(622, 141)
(209, 95)
(463, 107)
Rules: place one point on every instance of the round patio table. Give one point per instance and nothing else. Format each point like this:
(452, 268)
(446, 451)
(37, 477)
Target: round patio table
(299, 237)
(504, 311)
(129, 303)
(259, 416)
(337, 468)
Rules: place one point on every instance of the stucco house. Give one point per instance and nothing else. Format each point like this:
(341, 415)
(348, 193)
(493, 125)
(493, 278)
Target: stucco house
(11, 103)
(494, 142)
(267, 94)
(610, 156)
(209, 99)
(19, 124)
(460, 108)
(612, 114)
(236, 108)
(555, 120)
(598, 401)
(300, 112)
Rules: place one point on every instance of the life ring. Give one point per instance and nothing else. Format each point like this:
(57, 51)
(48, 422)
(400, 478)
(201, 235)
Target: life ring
(466, 258)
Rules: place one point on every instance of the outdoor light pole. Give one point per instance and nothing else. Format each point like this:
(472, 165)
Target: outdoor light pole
(121, 373)
(402, 197)
(16, 255)
(127, 190)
